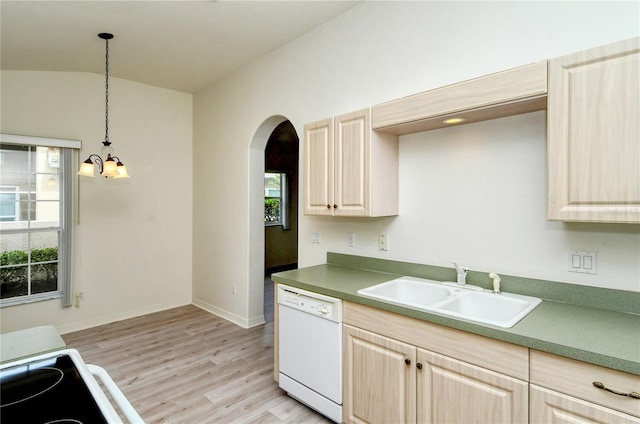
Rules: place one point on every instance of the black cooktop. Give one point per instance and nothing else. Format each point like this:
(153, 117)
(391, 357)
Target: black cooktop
(46, 391)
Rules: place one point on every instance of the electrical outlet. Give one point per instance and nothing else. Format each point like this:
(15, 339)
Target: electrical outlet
(315, 236)
(351, 239)
(583, 262)
(383, 242)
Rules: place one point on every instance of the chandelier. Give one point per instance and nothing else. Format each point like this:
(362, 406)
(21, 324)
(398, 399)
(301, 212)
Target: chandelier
(110, 166)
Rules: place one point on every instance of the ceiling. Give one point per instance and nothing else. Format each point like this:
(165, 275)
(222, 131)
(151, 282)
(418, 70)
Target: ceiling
(182, 45)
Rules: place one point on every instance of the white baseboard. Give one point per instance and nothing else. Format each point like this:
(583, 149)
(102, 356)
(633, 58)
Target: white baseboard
(229, 316)
(83, 325)
(213, 309)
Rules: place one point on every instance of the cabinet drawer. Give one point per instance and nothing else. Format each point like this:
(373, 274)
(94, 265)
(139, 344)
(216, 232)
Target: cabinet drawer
(575, 378)
(502, 357)
(548, 406)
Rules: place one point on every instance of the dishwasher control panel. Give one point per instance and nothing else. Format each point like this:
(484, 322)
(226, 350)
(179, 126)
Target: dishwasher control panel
(312, 303)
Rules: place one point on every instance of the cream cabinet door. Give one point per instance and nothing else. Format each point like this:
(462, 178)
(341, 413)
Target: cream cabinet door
(337, 166)
(549, 407)
(452, 391)
(594, 135)
(366, 167)
(350, 170)
(318, 168)
(379, 379)
(352, 164)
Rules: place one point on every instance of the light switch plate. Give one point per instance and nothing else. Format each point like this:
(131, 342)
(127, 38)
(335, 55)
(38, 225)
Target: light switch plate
(351, 239)
(315, 236)
(583, 261)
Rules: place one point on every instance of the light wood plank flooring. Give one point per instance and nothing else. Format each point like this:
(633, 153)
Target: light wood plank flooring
(185, 365)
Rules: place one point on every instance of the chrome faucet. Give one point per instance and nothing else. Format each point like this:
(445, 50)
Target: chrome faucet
(462, 273)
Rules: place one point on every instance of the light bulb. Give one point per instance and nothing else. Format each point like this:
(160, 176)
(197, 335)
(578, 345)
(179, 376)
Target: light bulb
(452, 121)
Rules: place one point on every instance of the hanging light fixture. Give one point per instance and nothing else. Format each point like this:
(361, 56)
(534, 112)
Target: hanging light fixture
(110, 166)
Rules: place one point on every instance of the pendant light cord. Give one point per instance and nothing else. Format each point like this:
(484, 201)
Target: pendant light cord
(106, 97)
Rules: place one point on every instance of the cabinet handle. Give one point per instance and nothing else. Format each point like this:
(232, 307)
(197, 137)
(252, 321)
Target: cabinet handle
(335, 206)
(328, 206)
(419, 365)
(599, 385)
(407, 361)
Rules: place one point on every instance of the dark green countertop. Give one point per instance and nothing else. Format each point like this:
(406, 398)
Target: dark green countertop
(597, 336)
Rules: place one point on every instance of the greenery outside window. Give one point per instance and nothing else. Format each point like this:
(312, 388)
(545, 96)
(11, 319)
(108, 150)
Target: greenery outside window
(276, 200)
(35, 219)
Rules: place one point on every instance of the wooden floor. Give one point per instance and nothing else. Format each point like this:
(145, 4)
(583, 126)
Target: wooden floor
(185, 365)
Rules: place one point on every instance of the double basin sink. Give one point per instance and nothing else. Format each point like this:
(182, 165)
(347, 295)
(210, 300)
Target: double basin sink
(450, 299)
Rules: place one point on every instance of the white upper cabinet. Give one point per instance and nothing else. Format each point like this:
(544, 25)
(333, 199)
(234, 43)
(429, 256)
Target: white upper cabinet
(593, 135)
(349, 170)
(318, 168)
(506, 93)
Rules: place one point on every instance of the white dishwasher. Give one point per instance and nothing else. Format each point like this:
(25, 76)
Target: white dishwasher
(310, 343)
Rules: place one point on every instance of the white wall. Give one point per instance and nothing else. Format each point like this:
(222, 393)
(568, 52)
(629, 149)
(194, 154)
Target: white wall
(485, 209)
(133, 239)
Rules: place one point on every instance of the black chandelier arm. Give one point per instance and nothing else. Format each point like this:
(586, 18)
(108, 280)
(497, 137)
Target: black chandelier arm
(96, 157)
(117, 159)
(97, 160)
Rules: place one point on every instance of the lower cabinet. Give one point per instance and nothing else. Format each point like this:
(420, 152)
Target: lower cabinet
(387, 381)
(452, 391)
(563, 391)
(399, 369)
(379, 379)
(548, 406)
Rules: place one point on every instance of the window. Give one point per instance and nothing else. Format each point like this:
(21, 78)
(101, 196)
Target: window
(35, 219)
(275, 199)
(9, 203)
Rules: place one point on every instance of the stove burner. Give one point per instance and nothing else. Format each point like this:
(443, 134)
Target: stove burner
(47, 391)
(42, 380)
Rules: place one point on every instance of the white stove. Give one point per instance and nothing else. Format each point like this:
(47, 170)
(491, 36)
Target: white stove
(58, 387)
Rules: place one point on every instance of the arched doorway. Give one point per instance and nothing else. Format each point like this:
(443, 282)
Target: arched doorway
(274, 148)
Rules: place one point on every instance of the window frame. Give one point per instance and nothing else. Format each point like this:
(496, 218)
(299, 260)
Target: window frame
(284, 201)
(68, 158)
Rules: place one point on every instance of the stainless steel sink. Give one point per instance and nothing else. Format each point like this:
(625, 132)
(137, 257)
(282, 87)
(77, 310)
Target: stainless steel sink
(502, 310)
